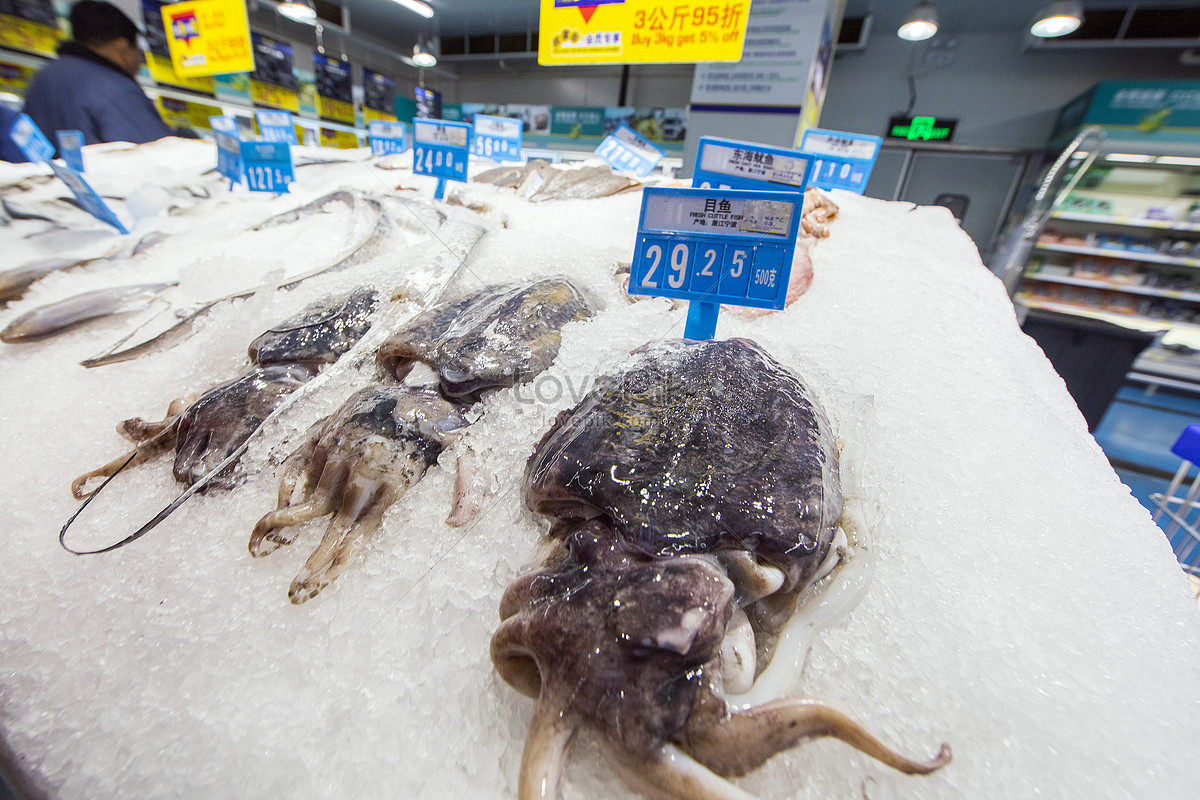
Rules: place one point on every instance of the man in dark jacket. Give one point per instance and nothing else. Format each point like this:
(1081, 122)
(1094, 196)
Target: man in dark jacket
(90, 87)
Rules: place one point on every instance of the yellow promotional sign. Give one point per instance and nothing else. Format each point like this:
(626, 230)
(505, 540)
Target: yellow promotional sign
(162, 71)
(208, 37)
(268, 94)
(28, 35)
(641, 31)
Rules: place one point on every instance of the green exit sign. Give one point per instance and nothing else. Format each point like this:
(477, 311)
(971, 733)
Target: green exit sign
(921, 129)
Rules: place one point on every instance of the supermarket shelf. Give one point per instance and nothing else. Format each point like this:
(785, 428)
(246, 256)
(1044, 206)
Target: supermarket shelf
(1193, 297)
(1174, 333)
(1109, 252)
(1127, 222)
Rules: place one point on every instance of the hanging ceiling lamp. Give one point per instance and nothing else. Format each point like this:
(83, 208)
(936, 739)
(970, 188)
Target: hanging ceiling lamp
(422, 56)
(1058, 19)
(921, 24)
(417, 7)
(299, 10)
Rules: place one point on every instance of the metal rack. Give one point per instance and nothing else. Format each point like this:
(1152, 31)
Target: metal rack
(1183, 511)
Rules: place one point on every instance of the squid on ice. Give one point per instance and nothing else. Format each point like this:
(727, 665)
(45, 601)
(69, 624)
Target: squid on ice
(695, 495)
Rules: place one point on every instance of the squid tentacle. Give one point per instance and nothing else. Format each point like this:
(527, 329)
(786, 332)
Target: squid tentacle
(544, 758)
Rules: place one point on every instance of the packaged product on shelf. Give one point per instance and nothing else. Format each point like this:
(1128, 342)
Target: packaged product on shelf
(1090, 267)
(1120, 303)
(1125, 272)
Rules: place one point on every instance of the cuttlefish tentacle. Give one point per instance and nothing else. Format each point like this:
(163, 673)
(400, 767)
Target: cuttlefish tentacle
(544, 758)
(146, 449)
(270, 531)
(742, 741)
(672, 775)
(360, 514)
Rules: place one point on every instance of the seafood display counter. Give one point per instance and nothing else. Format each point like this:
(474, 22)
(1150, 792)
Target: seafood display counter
(438, 509)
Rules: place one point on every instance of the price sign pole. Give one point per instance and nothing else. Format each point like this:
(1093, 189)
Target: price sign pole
(728, 164)
(714, 246)
(441, 150)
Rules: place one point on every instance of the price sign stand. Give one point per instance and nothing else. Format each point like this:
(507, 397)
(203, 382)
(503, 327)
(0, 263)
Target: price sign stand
(842, 160)
(497, 138)
(229, 148)
(714, 246)
(386, 138)
(37, 148)
(276, 126)
(729, 164)
(441, 150)
(267, 166)
(625, 149)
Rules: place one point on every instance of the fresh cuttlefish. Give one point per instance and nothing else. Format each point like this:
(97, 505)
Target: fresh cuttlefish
(205, 430)
(367, 454)
(695, 493)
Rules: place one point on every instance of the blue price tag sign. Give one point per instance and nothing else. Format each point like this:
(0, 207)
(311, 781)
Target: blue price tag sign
(842, 160)
(441, 148)
(30, 140)
(267, 166)
(624, 149)
(87, 197)
(728, 164)
(70, 147)
(229, 147)
(498, 138)
(387, 137)
(716, 246)
(276, 126)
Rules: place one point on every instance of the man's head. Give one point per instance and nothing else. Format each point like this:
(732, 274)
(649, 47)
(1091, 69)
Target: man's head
(104, 29)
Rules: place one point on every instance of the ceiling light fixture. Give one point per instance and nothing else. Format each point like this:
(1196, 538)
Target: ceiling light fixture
(416, 6)
(1058, 19)
(1181, 161)
(422, 57)
(1130, 158)
(921, 24)
(299, 10)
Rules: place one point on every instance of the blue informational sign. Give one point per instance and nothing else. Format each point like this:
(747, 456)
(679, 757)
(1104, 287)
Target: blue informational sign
(497, 138)
(70, 147)
(841, 160)
(267, 166)
(624, 149)
(441, 149)
(713, 246)
(728, 164)
(229, 148)
(276, 126)
(87, 197)
(30, 140)
(387, 137)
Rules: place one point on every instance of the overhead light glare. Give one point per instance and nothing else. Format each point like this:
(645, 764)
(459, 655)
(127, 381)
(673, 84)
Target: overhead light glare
(921, 24)
(1058, 19)
(299, 10)
(1179, 161)
(422, 57)
(1129, 158)
(417, 7)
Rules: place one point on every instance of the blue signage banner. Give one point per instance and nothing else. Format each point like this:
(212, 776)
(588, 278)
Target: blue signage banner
(625, 149)
(441, 150)
(714, 246)
(30, 140)
(387, 137)
(276, 126)
(70, 147)
(497, 138)
(729, 164)
(87, 196)
(267, 166)
(843, 160)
